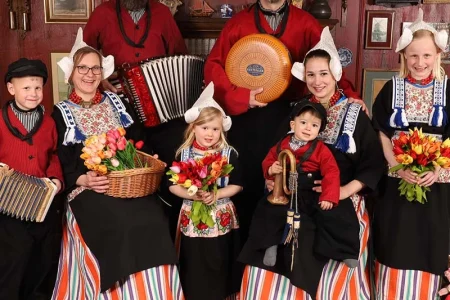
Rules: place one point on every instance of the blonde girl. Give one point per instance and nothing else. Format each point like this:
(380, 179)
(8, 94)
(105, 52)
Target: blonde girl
(411, 239)
(208, 267)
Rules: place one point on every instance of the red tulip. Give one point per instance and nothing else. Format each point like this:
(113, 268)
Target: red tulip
(139, 145)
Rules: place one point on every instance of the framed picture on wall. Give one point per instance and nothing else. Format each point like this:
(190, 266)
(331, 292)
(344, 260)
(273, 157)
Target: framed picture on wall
(379, 25)
(68, 11)
(60, 88)
(373, 82)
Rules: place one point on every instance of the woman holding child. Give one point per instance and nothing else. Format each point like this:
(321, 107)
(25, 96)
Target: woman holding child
(356, 149)
(112, 248)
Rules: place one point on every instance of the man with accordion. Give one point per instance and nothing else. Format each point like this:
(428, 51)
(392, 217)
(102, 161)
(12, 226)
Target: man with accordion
(134, 31)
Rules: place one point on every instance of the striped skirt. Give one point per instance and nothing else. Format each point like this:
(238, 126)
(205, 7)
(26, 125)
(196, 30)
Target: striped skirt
(393, 284)
(338, 282)
(79, 274)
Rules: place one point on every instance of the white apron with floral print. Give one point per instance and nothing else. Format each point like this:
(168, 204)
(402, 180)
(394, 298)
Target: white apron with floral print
(223, 212)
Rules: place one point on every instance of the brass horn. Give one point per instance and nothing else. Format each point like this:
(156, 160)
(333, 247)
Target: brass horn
(280, 193)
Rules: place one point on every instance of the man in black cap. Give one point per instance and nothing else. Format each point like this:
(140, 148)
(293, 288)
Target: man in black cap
(28, 142)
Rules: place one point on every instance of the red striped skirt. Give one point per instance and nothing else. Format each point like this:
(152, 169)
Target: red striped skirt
(79, 274)
(393, 284)
(338, 282)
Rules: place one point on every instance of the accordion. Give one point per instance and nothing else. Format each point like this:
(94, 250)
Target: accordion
(23, 196)
(162, 89)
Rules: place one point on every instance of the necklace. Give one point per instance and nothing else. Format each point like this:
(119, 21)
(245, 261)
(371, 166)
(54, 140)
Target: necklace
(140, 44)
(85, 104)
(200, 147)
(333, 100)
(424, 81)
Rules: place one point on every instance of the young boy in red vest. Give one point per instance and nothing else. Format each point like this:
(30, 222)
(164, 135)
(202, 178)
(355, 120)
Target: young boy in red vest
(28, 142)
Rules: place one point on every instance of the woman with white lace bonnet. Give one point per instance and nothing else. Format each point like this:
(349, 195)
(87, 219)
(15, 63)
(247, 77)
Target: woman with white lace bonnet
(112, 248)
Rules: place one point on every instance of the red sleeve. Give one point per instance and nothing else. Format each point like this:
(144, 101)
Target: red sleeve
(91, 31)
(347, 87)
(271, 157)
(54, 167)
(233, 99)
(330, 175)
(175, 40)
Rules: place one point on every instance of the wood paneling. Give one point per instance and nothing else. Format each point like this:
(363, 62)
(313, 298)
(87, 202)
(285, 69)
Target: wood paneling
(388, 59)
(46, 38)
(35, 44)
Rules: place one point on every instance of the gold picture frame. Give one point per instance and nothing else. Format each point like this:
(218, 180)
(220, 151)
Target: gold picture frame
(60, 88)
(68, 11)
(373, 82)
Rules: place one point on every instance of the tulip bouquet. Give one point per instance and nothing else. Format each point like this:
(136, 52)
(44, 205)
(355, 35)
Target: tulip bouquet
(111, 151)
(200, 174)
(419, 153)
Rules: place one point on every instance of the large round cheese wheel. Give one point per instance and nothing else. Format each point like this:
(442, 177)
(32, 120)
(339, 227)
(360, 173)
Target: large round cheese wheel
(260, 60)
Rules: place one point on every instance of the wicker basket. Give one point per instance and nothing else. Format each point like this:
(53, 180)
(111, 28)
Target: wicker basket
(138, 182)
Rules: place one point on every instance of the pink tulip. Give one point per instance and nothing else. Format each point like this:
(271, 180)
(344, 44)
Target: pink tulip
(112, 146)
(97, 160)
(121, 145)
(175, 169)
(202, 172)
(116, 134)
(111, 139)
(115, 163)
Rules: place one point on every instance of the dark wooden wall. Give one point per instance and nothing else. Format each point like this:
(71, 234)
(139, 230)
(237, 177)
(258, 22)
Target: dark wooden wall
(46, 38)
(388, 59)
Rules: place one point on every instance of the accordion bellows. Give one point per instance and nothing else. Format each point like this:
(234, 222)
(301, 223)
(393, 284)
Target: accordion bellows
(23, 196)
(260, 60)
(162, 89)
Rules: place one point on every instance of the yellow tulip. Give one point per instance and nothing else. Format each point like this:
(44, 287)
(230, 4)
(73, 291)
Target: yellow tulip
(417, 148)
(102, 169)
(446, 143)
(404, 159)
(443, 162)
(187, 183)
(174, 178)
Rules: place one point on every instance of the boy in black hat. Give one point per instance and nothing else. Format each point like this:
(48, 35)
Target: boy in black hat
(28, 142)
(335, 237)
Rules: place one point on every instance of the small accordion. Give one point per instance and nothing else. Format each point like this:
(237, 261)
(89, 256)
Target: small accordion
(162, 89)
(23, 196)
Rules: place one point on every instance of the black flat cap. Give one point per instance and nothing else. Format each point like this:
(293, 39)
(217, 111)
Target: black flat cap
(305, 104)
(26, 67)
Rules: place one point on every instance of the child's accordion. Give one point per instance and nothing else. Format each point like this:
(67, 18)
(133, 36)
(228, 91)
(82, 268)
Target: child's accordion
(23, 196)
(162, 89)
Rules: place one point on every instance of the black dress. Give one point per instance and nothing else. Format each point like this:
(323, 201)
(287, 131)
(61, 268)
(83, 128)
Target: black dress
(208, 256)
(363, 165)
(125, 235)
(410, 235)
